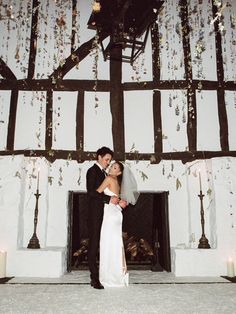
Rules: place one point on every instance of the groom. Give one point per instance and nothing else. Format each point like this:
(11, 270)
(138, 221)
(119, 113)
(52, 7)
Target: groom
(95, 175)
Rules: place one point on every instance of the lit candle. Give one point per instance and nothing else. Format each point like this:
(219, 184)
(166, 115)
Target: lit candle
(3, 258)
(200, 180)
(38, 179)
(96, 6)
(230, 268)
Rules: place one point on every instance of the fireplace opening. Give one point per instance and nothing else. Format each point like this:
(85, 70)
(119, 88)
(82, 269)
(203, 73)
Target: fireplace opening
(145, 232)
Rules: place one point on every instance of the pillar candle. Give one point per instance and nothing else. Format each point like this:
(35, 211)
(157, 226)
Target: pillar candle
(200, 180)
(230, 268)
(3, 259)
(38, 179)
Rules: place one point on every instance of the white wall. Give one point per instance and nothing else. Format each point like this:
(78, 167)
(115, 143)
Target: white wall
(17, 209)
(18, 174)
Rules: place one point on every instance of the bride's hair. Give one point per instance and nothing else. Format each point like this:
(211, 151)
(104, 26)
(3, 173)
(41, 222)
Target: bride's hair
(121, 166)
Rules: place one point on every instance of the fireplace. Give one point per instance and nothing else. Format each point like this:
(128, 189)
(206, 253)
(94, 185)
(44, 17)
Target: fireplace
(145, 232)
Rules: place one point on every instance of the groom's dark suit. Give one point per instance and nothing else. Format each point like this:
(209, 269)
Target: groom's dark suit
(96, 201)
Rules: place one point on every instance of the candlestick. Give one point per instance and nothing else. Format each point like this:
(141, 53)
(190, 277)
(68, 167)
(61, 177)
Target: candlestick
(38, 179)
(200, 180)
(3, 258)
(34, 241)
(203, 241)
(230, 268)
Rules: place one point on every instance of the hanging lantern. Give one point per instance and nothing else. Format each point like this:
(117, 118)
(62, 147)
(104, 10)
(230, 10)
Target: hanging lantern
(127, 23)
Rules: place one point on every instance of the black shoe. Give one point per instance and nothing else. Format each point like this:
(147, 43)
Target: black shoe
(96, 284)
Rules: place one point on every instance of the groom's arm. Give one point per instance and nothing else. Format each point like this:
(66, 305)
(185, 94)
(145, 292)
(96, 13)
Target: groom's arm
(91, 185)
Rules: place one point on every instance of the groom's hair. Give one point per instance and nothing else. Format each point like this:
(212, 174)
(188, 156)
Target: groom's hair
(103, 151)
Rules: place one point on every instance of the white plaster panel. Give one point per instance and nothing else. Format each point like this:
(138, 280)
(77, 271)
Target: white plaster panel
(171, 47)
(202, 40)
(138, 119)
(174, 121)
(14, 36)
(228, 33)
(32, 110)
(208, 133)
(97, 121)
(4, 117)
(10, 200)
(230, 100)
(64, 120)
(53, 43)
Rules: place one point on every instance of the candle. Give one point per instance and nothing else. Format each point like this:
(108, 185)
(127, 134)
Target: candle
(38, 179)
(96, 6)
(200, 180)
(3, 258)
(192, 240)
(230, 268)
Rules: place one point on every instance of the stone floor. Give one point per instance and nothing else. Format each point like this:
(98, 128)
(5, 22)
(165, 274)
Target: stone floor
(148, 292)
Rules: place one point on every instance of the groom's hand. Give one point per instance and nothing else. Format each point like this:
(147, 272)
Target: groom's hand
(114, 200)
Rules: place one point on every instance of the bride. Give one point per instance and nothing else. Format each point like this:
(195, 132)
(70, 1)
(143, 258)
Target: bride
(112, 264)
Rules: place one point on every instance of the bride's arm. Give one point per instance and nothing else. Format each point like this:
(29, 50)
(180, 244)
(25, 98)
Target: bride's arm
(105, 183)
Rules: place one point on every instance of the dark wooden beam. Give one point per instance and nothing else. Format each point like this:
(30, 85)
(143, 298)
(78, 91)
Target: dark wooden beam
(222, 113)
(154, 158)
(178, 84)
(156, 73)
(80, 123)
(33, 39)
(117, 103)
(105, 85)
(6, 72)
(60, 85)
(74, 14)
(12, 121)
(157, 124)
(191, 92)
(77, 56)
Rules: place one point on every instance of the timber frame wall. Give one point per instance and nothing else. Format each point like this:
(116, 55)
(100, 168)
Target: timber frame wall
(115, 86)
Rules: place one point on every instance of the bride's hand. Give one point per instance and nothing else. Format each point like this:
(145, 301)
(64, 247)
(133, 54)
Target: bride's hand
(123, 203)
(114, 200)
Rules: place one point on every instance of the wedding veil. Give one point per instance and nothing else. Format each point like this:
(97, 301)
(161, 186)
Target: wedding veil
(129, 190)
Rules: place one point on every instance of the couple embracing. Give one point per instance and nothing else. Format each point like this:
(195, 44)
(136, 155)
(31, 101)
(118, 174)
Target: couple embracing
(108, 194)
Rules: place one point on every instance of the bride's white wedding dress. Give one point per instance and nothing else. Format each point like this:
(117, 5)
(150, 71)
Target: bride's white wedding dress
(112, 265)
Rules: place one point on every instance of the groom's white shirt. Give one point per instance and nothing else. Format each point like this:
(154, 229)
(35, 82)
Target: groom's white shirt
(98, 164)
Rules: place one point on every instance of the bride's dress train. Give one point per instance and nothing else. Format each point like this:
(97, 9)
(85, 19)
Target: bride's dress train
(112, 264)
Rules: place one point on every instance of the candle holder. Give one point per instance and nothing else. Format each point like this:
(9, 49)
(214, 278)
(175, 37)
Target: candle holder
(34, 241)
(203, 241)
(155, 259)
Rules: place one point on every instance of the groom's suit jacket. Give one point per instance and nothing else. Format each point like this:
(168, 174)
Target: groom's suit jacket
(96, 200)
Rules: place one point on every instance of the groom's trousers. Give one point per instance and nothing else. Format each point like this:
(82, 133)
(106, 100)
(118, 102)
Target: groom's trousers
(94, 228)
